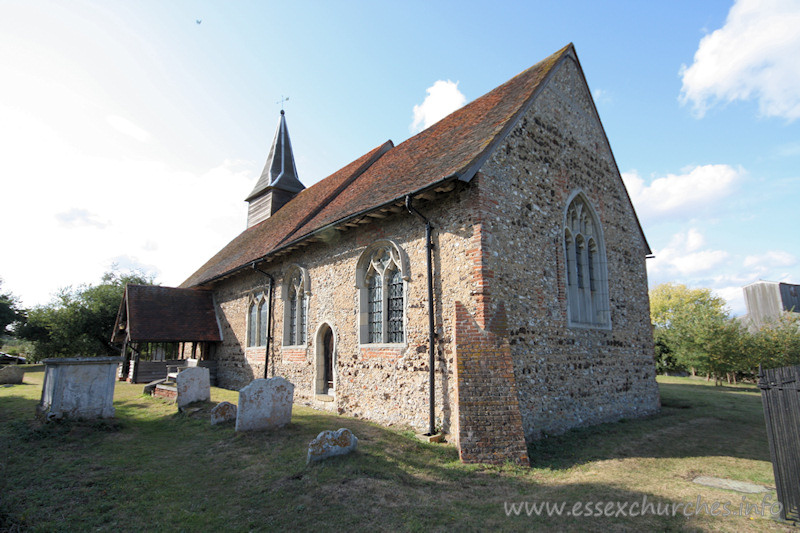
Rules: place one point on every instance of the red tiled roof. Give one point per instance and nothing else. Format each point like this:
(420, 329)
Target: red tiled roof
(456, 146)
(259, 240)
(166, 314)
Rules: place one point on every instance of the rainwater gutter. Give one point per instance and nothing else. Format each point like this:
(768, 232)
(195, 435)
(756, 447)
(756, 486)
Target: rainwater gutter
(431, 325)
(269, 317)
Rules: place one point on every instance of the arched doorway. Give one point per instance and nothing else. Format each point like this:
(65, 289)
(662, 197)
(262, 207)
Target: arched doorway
(326, 361)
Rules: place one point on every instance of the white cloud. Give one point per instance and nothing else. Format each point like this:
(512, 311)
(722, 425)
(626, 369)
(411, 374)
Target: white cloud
(79, 217)
(686, 193)
(150, 213)
(125, 126)
(686, 259)
(734, 296)
(601, 96)
(443, 98)
(788, 150)
(128, 262)
(770, 259)
(698, 262)
(683, 256)
(694, 240)
(753, 56)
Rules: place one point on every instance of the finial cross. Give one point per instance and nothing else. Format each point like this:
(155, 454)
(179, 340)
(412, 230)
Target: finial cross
(282, 100)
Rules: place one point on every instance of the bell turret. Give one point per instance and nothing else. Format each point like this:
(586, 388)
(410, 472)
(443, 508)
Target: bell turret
(278, 182)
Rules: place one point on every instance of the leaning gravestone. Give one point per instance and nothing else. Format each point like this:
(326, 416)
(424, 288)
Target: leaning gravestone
(192, 385)
(331, 443)
(11, 375)
(223, 412)
(265, 404)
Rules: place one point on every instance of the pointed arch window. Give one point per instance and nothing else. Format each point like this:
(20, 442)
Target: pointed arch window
(295, 298)
(381, 280)
(587, 282)
(375, 306)
(257, 317)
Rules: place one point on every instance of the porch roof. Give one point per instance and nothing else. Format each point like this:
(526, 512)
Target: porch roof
(150, 313)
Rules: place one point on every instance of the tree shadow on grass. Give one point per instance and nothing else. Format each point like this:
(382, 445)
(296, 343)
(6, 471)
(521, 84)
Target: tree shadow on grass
(15, 404)
(175, 471)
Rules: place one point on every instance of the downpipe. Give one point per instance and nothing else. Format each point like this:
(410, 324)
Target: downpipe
(269, 317)
(431, 325)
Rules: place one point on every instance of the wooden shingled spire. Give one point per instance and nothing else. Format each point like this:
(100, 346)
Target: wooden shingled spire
(278, 182)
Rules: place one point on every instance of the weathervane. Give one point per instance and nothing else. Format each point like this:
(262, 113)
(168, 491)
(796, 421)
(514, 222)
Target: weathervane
(282, 100)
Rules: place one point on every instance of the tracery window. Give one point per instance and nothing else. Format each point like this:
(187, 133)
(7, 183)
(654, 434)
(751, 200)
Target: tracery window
(381, 280)
(375, 310)
(295, 297)
(587, 283)
(257, 317)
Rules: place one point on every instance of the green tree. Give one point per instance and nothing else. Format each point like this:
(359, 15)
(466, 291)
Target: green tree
(78, 322)
(777, 343)
(10, 311)
(673, 301)
(694, 328)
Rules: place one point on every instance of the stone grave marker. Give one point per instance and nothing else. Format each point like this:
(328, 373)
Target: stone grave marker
(11, 375)
(193, 385)
(223, 412)
(331, 443)
(265, 404)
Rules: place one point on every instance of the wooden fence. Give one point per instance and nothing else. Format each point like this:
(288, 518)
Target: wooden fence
(780, 396)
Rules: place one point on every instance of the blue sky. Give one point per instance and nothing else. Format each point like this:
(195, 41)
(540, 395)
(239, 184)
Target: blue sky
(131, 133)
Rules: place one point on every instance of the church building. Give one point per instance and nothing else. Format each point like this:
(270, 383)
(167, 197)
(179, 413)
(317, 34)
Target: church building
(484, 279)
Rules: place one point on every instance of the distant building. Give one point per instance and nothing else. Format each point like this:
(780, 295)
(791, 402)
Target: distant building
(767, 300)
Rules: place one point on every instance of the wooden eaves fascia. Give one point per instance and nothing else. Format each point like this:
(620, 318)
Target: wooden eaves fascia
(382, 150)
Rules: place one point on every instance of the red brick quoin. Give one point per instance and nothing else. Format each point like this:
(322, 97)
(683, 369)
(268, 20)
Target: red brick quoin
(489, 420)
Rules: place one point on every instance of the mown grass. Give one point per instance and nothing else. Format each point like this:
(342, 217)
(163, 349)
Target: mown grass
(152, 468)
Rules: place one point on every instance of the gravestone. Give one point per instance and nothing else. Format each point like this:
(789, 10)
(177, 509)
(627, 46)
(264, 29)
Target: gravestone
(331, 443)
(223, 412)
(78, 387)
(11, 375)
(193, 385)
(265, 404)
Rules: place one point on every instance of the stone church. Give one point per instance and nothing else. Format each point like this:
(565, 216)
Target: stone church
(484, 278)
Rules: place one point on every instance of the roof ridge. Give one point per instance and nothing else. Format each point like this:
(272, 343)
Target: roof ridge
(453, 148)
(549, 63)
(380, 151)
(546, 65)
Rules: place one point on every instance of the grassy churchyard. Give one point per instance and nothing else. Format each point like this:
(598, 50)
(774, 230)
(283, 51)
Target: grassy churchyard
(152, 468)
